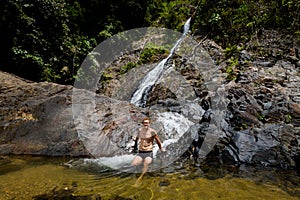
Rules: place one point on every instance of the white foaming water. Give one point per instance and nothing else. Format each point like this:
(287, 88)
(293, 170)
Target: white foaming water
(174, 126)
(139, 97)
(116, 162)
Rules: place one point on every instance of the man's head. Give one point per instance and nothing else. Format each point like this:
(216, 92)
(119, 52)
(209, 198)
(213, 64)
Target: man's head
(146, 122)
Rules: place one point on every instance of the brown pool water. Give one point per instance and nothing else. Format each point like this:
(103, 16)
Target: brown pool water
(28, 177)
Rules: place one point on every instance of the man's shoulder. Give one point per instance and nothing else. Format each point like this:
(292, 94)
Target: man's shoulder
(153, 131)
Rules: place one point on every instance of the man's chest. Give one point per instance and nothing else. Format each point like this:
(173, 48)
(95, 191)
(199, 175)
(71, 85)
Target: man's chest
(145, 134)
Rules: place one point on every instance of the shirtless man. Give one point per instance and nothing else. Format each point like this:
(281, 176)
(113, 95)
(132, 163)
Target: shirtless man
(146, 137)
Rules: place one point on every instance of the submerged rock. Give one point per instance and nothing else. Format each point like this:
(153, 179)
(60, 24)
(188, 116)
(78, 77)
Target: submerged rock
(65, 193)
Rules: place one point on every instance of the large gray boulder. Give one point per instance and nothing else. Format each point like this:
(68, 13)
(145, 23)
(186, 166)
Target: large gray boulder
(36, 118)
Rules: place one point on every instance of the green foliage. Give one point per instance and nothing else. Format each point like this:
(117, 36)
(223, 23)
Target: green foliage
(151, 54)
(106, 76)
(234, 22)
(233, 50)
(127, 67)
(243, 126)
(288, 118)
(261, 118)
(39, 31)
(169, 14)
(230, 69)
(297, 33)
(48, 40)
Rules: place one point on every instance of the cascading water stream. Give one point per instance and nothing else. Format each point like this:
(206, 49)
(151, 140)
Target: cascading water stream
(139, 98)
(171, 121)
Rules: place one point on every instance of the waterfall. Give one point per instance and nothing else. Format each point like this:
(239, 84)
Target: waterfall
(178, 129)
(139, 98)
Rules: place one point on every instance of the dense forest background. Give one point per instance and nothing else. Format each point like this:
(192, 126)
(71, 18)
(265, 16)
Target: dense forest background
(47, 40)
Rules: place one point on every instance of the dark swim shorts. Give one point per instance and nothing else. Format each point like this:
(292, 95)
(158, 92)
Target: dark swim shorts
(145, 154)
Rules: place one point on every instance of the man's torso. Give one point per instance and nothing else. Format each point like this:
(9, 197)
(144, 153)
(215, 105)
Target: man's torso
(146, 139)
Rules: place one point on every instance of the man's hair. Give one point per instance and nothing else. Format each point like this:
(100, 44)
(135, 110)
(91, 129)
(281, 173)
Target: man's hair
(146, 119)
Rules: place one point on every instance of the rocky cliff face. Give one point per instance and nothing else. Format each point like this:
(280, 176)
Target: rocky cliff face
(259, 122)
(264, 103)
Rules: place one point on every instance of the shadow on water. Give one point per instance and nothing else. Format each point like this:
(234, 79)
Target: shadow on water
(24, 177)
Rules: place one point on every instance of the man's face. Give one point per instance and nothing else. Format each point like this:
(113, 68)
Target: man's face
(146, 123)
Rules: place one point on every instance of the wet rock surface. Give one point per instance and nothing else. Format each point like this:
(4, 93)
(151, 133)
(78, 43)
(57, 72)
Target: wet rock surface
(36, 118)
(263, 112)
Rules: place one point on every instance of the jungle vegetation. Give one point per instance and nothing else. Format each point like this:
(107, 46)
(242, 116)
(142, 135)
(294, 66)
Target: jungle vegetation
(47, 40)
